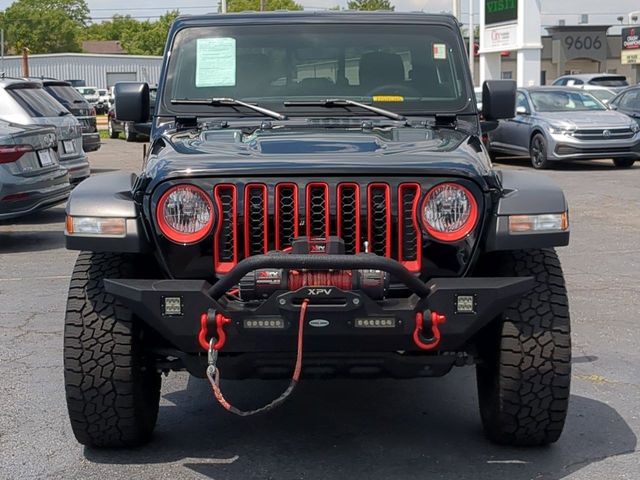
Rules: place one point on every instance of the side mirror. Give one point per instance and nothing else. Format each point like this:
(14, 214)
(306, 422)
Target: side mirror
(522, 110)
(498, 99)
(132, 102)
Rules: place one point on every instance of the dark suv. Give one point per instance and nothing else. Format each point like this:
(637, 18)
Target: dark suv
(316, 202)
(68, 96)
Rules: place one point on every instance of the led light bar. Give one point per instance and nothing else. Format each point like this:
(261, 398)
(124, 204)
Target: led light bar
(375, 323)
(547, 222)
(276, 323)
(101, 226)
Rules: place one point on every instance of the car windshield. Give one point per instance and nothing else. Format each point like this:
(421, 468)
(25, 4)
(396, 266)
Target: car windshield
(403, 68)
(609, 81)
(65, 94)
(603, 95)
(88, 91)
(36, 102)
(560, 101)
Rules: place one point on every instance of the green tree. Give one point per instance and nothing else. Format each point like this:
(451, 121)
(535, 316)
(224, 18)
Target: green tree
(45, 26)
(370, 5)
(244, 5)
(136, 38)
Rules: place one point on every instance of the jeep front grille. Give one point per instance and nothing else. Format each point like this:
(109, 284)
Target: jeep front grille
(381, 214)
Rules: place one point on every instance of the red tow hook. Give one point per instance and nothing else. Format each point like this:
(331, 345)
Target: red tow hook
(428, 343)
(221, 336)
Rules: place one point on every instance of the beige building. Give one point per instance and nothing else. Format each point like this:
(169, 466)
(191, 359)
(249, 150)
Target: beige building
(573, 49)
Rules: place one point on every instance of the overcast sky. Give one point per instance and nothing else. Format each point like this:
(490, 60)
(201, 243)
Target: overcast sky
(601, 12)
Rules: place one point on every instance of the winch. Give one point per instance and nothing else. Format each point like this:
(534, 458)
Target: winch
(263, 282)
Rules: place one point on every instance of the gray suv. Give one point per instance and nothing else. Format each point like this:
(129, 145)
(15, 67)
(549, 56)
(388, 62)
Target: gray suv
(559, 123)
(27, 103)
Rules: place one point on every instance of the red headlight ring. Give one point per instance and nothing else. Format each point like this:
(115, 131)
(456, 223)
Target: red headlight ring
(174, 235)
(461, 232)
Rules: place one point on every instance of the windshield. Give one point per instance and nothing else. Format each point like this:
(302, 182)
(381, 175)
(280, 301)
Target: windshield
(88, 91)
(36, 102)
(603, 95)
(404, 68)
(560, 101)
(65, 94)
(609, 81)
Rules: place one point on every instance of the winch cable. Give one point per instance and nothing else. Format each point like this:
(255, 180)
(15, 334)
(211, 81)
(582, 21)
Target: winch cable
(213, 373)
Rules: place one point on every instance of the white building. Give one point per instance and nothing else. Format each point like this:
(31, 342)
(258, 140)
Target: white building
(95, 70)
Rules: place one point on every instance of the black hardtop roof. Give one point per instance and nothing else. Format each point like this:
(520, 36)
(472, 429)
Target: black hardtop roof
(344, 16)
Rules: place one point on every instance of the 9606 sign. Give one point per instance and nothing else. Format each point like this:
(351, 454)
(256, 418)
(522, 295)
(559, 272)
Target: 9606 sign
(583, 42)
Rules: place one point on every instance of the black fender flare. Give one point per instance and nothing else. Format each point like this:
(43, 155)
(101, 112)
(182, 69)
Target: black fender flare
(525, 193)
(108, 195)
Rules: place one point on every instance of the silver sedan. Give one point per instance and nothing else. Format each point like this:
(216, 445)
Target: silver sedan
(554, 124)
(31, 177)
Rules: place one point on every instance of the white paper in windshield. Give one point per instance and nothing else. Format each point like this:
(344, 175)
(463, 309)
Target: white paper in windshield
(216, 62)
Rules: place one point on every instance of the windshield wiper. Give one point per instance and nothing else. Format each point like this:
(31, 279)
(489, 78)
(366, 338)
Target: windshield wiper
(62, 113)
(344, 102)
(214, 102)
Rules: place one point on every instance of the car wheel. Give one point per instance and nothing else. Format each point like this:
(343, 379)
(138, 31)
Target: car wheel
(538, 152)
(623, 162)
(111, 131)
(524, 369)
(129, 136)
(112, 386)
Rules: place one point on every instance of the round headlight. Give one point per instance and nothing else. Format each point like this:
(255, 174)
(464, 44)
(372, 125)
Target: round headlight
(449, 212)
(185, 214)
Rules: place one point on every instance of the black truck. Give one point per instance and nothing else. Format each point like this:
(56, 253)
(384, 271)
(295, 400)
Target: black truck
(316, 201)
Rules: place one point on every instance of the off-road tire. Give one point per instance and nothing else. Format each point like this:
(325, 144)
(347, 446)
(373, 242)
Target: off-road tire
(112, 388)
(111, 130)
(538, 152)
(524, 370)
(129, 136)
(623, 162)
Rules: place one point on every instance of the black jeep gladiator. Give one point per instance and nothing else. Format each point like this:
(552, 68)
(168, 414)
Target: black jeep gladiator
(316, 201)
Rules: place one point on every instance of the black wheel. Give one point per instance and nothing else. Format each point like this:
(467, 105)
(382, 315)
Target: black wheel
(623, 162)
(129, 136)
(111, 131)
(538, 152)
(112, 387)
(524, 369)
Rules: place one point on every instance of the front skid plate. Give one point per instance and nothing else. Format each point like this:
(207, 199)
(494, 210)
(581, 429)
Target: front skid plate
(339, 309)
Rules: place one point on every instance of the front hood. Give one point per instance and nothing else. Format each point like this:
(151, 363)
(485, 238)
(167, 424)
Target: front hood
(596, 119)
(319, 151)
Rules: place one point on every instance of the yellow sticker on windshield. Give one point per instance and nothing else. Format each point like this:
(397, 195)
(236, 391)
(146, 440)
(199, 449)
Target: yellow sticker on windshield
(388, 98)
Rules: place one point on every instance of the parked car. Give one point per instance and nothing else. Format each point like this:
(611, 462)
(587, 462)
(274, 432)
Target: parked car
(104, 101)
(31, 177)
(27, 103)
(613, 81)
(277, 215)
(628, 102)
(68, 96)
(554, 123)
(477, 91)
(90, 94)
(132, 130)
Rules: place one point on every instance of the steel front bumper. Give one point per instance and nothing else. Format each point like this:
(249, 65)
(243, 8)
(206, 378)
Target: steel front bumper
(336, 311)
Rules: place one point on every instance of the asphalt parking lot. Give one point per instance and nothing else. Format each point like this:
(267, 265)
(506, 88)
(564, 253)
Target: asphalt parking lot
(336, 429)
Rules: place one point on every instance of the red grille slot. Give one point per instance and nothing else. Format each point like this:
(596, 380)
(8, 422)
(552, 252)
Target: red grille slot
(348, 216)
(379, 218)
(318, 214)
(256, 220)
(286, 214)
(225, 251)
(409, 236)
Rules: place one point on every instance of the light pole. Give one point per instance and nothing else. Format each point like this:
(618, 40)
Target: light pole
(455, 8)
(471, 38)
